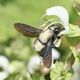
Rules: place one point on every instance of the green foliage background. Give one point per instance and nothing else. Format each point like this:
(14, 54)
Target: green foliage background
(15, 46)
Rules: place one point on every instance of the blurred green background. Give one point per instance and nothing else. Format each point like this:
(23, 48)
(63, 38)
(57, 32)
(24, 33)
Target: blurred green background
(15, 46)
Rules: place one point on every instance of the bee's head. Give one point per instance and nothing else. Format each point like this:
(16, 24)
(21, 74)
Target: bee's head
(57, 28)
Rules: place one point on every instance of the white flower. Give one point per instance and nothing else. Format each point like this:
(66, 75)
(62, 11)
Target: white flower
(75, 76)
(76, 67)
(55, 54)
(61, 12)
(4, 64)
(34, 64)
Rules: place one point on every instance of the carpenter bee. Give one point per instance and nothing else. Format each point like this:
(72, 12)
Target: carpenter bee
(49, 36)
(46, 39)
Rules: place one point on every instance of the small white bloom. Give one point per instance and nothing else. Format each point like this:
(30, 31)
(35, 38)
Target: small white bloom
(61, 12)
(34, 64)
(76, 67)
(4, 64)
(55, 54)
(75, 76)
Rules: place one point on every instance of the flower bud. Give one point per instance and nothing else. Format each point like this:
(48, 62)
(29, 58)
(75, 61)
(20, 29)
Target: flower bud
(76, 5)
(34, 64)
(4, 64)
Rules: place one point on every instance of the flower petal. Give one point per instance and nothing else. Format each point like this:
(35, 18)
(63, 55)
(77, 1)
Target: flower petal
(61, 12)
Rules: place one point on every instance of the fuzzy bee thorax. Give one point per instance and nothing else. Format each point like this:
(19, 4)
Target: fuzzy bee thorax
(43, 38)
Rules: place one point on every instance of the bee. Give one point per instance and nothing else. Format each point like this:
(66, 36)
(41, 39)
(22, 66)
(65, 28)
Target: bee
(49, 36)
(46, 39)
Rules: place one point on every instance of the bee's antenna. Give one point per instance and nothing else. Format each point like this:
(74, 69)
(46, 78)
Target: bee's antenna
(40, 19)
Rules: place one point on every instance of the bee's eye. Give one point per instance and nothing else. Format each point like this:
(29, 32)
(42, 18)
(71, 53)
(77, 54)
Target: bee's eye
(56, 31)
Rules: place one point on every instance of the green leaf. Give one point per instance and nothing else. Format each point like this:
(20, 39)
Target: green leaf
(74, 31)
(76, 53)
(68, 76)
(57, 72)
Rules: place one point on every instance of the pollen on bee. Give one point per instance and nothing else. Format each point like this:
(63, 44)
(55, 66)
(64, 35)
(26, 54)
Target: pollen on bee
(44, 69)
(38, 46)
(45, 35)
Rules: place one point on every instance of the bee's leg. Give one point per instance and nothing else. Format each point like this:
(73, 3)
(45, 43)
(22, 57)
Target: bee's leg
(56, 41)
(41, 53)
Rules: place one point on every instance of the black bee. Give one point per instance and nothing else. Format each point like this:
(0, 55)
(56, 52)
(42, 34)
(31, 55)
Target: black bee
(46, 39)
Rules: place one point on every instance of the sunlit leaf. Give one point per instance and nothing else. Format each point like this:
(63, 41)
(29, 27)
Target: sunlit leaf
(74, 31)
(57, 73)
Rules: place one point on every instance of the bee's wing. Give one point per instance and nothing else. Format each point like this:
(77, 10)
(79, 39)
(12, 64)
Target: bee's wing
(47, 59)
(27, 30)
